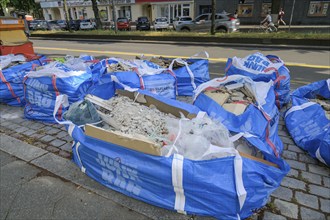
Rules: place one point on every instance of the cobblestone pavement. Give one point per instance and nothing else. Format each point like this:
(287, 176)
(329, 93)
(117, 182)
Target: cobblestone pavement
(304, 193)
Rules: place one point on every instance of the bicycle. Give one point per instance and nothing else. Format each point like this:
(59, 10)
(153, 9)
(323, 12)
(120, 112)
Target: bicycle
(267, 28)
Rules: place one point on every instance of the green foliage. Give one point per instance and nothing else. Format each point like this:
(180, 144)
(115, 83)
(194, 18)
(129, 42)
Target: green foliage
(4, 3)
(26, 6)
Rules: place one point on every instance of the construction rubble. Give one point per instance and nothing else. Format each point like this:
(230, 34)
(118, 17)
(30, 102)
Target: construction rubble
(197, 139)
(164, 62)
(234, 98)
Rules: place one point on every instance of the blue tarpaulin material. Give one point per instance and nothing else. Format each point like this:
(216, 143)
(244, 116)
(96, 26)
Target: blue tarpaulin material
(11, 84)
(44, 85)
(190, 76)
(263, 68)
(143, 75)
(210, 188)
(260, 119)
(306, 120)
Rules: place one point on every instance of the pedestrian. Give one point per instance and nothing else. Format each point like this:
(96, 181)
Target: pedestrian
(236, 14)
(280, 17)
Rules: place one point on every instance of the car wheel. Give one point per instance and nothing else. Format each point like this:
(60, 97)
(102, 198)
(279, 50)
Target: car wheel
(222, 30)
(185, 29)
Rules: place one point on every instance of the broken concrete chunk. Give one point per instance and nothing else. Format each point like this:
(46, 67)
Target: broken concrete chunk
(237, 108)
(220, 98)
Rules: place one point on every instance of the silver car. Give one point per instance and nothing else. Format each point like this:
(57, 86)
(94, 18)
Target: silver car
(161, 23)
(224, 23)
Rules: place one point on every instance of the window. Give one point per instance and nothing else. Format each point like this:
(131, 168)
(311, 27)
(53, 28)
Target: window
(205, 9)
(318, 9)
(219, 17)
(202, 17)
(186, 19)
(185, 12)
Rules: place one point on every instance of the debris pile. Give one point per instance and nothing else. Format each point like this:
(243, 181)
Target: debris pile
(234, 97)
(129, 117)
(118, 67)
(324, 103)
(164, 62)
(200, 138)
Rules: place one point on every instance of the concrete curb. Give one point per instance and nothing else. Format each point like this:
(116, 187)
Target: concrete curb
(67, 170)
(323, 44)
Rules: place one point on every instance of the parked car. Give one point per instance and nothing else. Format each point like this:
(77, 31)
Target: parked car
(180, 20)
(53, 25)
(75, 24)
(123, 24)
(161, 23)
(33, 23)
(88, 24)
(42, 25)
(62, 24)
(142, 23)
(224, 23)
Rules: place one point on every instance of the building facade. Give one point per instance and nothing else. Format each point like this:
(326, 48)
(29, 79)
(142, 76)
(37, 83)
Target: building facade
(306, 12)
(132, 9)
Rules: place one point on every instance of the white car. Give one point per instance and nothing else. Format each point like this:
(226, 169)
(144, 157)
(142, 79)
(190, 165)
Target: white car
(180, 20)
(88, 24)
(161, 23)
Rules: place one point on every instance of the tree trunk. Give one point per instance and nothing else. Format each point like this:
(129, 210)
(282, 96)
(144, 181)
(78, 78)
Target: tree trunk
(96, 15)
(66, 12)
(276, 5)
(114, 17)
(1, 11)
(213, 18)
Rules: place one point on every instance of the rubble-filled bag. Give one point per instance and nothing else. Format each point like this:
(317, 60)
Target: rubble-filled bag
(11, 80)
(146, 75)
(42, 86)
(307, 123)
(190, 76)
(104, 87)
(231, 187)
(260, 119)
(263, 68)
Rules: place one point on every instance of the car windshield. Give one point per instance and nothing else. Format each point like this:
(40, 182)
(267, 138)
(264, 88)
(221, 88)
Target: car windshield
(161, 20)
(143, 20)
(52, 22)
(122, 20)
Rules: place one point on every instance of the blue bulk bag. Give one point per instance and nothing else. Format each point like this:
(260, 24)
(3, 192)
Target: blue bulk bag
(11, 83)
(103, 88)
(144, 75)
(307, 123)
(226, 188)
(260, 119)
(191, 75)
(42, 87)
(263, 68)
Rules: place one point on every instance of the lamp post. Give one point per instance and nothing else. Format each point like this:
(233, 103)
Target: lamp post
(294, 1)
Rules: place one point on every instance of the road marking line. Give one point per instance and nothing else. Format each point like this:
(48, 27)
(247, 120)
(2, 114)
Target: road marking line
(222, 60)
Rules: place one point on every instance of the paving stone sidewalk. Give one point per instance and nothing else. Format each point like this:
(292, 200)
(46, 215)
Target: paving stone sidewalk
(304, 193)
(28, 192)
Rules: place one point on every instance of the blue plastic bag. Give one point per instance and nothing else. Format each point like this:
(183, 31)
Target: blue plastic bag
(307, 123)
(263, 68)
(142, 75)
(231, 187)
(260, 119)
(191, 76)
(11, 83)
(42, 87)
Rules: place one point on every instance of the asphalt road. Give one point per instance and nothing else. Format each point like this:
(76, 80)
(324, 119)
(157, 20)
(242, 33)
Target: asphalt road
(305, 66)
